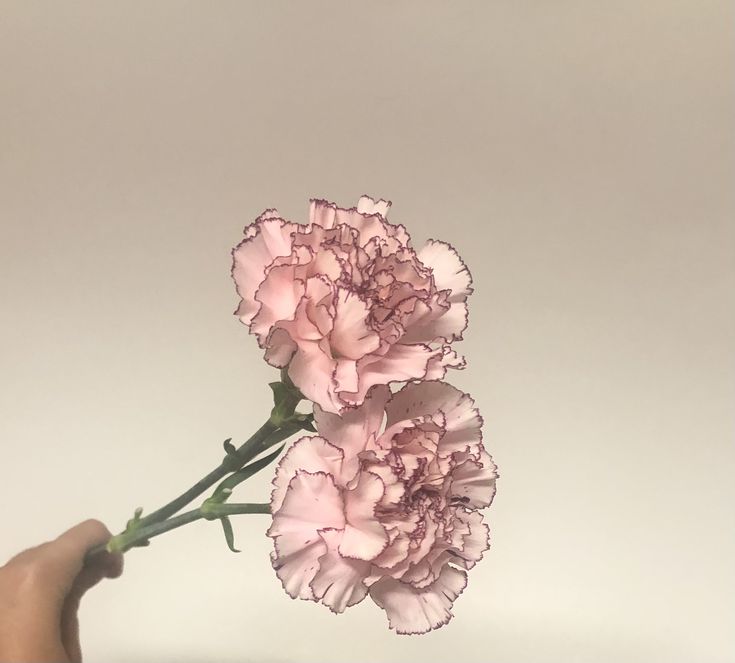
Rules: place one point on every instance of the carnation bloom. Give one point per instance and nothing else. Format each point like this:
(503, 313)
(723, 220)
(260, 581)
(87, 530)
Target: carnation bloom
(392, 514)
(346, 303)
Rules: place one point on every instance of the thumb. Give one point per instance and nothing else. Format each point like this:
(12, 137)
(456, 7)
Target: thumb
(102, 565)
(66, 555)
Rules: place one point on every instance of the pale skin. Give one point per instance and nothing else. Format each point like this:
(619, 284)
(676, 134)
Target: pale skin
(40, 592)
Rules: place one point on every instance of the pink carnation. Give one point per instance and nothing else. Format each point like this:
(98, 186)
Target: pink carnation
(346, 303)
(392, 514)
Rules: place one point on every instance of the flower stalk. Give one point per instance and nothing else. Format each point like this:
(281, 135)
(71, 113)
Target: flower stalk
(141, 536)
(237, 466)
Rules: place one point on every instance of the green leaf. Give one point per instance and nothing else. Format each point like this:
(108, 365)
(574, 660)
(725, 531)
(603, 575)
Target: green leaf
(229, 534)
(223, 490)
(280, 392)
(229, 447)
(307, 422)
(285, 399)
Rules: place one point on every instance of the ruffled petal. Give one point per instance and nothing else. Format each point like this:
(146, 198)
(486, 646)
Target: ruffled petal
(267, 239)
(467, 541)
(311, 370)
(327, 264)
(412, 610)
(396, 552)
(351, 338)
(279, 348)
(462, 420)
(473, 481)
(451, 325)
(366, 205)
(322, 213)
(313, 318)
(400, 363)
(395, 488)
(450, 272)
(368, 226)
(435, 320)
(352, 431)
(312, 502)
(475, 542)
(364, 537)
(339, 582)
(441, 360)
(310, 454)
(296, 565)
(279, 295)
(346, 376)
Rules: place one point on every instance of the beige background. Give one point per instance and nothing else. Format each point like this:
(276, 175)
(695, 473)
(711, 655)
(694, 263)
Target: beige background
(579, 154)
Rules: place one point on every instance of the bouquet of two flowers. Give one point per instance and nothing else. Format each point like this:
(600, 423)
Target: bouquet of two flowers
(382, 496)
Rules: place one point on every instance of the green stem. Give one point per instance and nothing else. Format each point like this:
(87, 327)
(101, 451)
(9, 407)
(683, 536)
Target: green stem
(259, 441)
(160, 520)
(283, 422)
(141, 535)
(214, 511)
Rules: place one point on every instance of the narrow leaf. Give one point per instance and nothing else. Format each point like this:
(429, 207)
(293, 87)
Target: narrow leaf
(229, 534)
(225, 487)
(229, 447)
(280, 392)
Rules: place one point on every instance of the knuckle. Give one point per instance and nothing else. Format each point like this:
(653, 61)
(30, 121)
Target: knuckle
(96, 527)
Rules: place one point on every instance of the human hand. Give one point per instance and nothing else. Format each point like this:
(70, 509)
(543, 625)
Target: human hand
(40, 591)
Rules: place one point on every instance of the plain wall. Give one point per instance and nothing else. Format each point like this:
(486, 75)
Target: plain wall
(581, 157)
